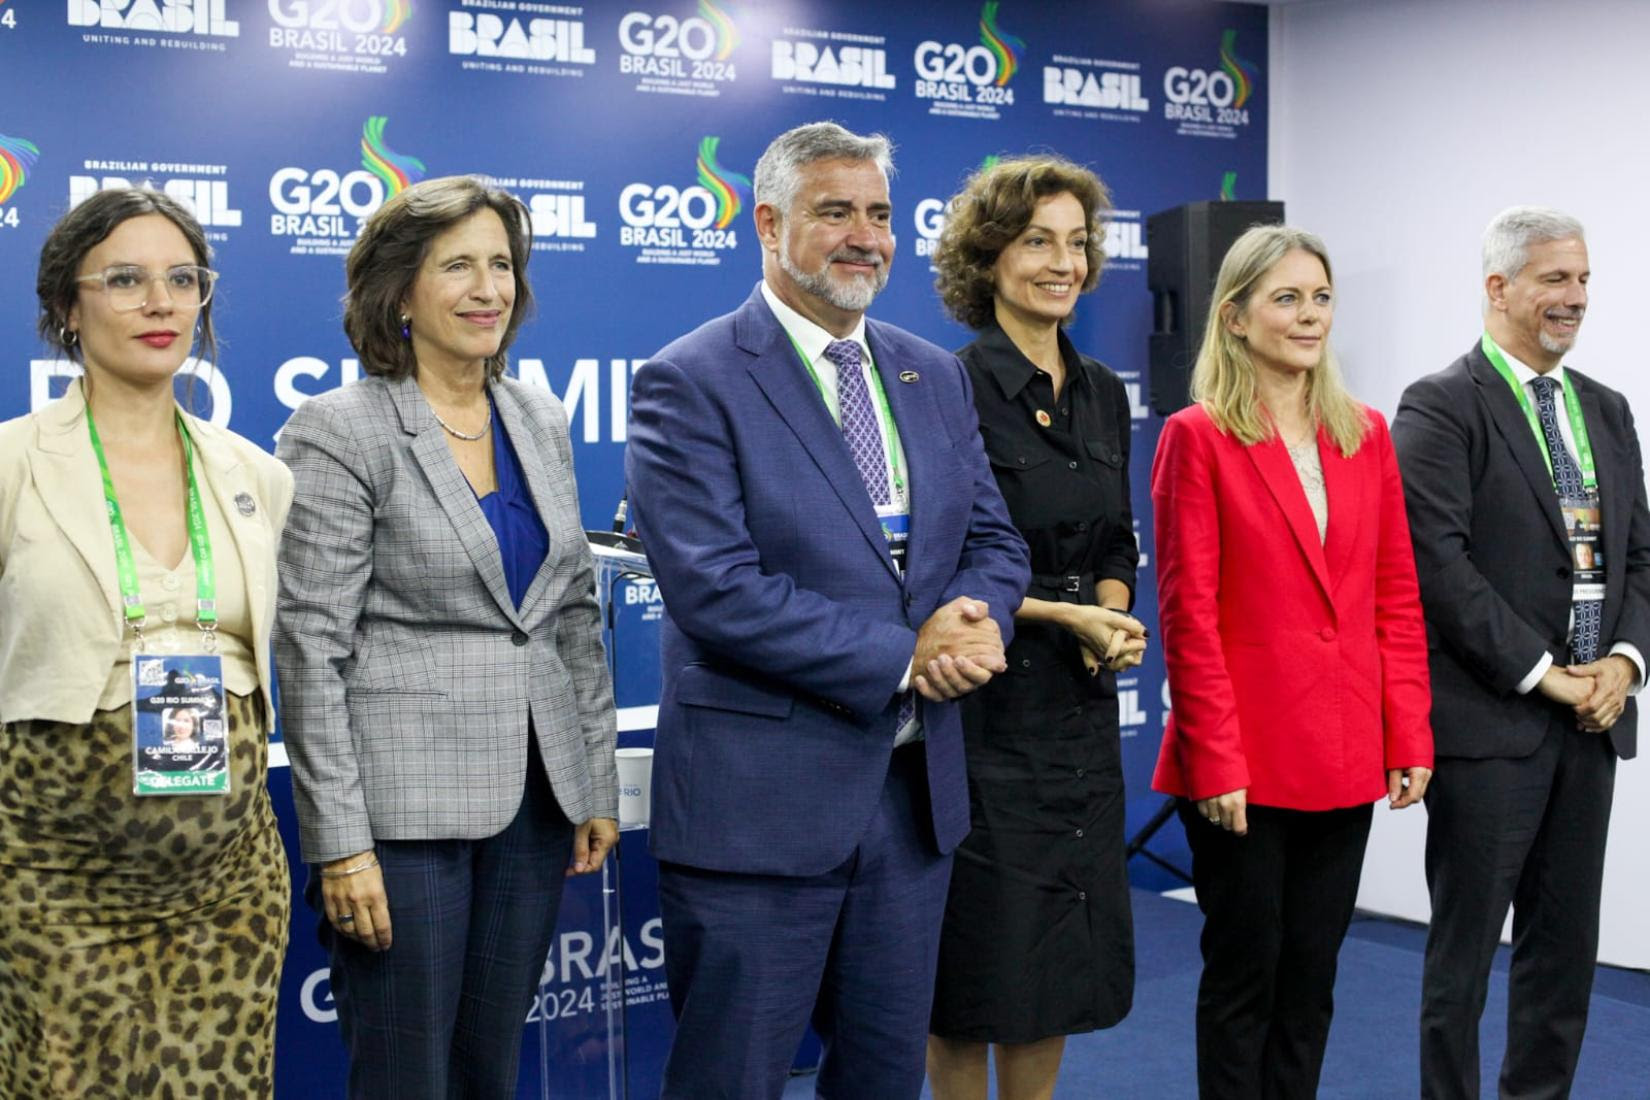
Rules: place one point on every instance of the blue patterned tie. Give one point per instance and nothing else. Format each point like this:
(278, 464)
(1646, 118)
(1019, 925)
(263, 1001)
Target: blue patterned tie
(1589, 614)
(859, 428)
(859, 420)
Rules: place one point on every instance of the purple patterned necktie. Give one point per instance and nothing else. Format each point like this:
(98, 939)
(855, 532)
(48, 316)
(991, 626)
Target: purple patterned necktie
(859, 420)
(859, 429)
(1589, 614)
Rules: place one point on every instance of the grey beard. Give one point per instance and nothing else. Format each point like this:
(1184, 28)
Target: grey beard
(1558, 345)
(855, 297)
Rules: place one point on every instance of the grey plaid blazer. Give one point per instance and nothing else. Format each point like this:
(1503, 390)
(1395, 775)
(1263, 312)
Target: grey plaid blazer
(407, 675)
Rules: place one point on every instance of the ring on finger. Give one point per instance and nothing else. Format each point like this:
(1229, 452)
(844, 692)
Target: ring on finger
(346, 918)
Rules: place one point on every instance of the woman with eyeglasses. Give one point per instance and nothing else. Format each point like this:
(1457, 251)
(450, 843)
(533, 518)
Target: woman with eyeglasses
(143, 910)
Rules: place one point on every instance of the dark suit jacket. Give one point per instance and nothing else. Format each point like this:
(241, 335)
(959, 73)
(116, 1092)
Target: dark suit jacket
(1493, 558)
(787, 628)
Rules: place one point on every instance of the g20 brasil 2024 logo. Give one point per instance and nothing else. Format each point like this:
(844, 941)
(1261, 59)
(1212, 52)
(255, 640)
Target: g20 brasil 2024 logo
(663, 49)
(316, 205)
(690, 222)
(969, 79)
(17, 156)
(1212, 101)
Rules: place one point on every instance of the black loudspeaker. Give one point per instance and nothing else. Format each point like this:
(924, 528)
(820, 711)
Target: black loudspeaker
(1184, 247)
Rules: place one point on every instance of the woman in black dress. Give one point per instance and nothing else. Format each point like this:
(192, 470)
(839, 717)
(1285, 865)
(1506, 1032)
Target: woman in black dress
(1038, 941)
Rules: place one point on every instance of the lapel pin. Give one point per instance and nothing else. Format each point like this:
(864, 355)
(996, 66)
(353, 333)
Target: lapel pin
(1043, 418)
(244, 504)
(908, 376)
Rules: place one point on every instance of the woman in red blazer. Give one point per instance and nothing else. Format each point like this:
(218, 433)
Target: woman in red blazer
(1296, 654)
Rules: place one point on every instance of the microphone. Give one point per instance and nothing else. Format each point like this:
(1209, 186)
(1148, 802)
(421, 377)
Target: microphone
(622, 514)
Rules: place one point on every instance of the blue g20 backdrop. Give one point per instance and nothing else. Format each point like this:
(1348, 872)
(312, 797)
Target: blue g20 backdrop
(630, 130)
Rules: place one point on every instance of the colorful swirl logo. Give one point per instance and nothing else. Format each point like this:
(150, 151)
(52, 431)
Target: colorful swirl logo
(1004, 47)
(397, 171)
(730, 188)
(396, 13)
(1243, 73)
(727, 35)
(17, 156)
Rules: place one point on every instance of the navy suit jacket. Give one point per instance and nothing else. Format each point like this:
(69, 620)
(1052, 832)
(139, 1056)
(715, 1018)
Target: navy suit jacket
(787, 628)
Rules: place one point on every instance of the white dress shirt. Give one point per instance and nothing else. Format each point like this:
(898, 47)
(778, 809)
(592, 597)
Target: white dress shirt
(813, 340)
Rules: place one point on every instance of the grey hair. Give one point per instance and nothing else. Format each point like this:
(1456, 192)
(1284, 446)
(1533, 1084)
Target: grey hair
(1508, 237)
(779, 172)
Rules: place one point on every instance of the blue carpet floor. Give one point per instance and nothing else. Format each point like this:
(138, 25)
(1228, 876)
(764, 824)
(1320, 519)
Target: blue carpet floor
(1372, 1046)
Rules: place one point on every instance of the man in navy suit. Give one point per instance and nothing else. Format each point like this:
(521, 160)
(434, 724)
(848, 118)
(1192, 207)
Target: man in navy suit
(837, 567)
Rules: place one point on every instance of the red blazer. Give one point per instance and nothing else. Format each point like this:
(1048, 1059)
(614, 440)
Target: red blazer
(1297, 669)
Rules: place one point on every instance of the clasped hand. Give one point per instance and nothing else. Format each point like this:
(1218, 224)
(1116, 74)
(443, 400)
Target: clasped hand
(1110, 638)
(958, 650)
(1596, 691)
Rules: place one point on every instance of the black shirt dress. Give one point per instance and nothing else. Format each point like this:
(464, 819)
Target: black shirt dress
(1038, 938)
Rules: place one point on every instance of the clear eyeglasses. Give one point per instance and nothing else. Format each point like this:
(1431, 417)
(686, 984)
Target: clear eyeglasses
(128, 287)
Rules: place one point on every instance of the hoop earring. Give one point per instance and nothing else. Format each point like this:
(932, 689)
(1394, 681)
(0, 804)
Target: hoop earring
(406, 327)
(67, 336)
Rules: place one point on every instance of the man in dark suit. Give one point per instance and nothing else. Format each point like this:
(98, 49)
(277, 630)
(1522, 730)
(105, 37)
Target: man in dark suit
(1526, 499)
(837, 566)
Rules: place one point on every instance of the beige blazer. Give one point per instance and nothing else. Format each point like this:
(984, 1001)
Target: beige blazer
(60, 622)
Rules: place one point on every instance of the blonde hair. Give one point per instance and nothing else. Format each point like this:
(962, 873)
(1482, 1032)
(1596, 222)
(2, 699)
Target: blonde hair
(1223, 381)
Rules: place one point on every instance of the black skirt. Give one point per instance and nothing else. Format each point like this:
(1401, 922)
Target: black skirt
(1038, 938)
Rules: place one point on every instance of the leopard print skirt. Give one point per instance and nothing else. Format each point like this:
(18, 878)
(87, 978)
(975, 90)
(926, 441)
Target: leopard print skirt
(141, 939)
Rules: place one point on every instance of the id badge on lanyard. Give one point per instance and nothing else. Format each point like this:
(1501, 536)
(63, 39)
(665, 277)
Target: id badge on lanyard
(180, 733)
(896, 528)
(1582, 523)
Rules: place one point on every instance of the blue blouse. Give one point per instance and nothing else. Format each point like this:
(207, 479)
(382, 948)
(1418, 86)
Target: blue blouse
(523, 541)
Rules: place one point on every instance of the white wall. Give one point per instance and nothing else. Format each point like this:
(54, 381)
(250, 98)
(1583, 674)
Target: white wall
(1398, 128)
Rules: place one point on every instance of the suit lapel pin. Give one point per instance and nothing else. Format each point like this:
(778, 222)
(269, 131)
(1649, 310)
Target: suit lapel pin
(908, 376)
(1043, 418)
(244, 504)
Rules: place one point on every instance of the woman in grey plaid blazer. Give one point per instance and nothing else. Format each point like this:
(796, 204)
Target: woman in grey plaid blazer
(445, 698)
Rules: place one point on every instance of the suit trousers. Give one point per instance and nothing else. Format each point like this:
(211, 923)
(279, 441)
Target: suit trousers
(439, 1015)
(1276, 905)
(750, 958)
(1528, 832)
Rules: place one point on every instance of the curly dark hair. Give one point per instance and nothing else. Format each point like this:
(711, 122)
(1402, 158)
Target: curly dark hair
(991, 210)
(385, 261)
(85, 227)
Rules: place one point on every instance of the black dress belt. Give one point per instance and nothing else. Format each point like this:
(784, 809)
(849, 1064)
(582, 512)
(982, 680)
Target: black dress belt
(1064, 585)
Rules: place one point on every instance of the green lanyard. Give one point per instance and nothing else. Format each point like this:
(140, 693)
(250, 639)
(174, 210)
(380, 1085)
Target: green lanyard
(1572, 406)
(882, 404)
(200, 546)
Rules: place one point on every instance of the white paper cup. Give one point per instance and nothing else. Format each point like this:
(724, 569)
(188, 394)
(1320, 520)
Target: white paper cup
(635, 787)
